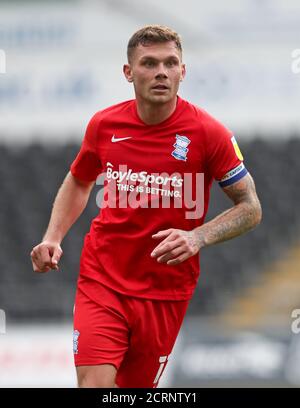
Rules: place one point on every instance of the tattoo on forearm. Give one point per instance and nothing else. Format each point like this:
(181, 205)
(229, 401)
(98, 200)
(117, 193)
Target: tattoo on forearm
(243, 216)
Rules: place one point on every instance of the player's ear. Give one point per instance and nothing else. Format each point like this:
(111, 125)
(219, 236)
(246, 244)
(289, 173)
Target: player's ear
(183, 72)
(127, 72)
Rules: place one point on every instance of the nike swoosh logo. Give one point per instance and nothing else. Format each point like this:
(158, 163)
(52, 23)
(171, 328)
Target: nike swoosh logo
(119, 139)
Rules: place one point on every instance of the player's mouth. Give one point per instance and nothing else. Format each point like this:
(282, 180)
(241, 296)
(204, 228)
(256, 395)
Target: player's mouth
(160, 87)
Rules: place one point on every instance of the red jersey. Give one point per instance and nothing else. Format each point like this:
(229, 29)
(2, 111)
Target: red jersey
(156, 177)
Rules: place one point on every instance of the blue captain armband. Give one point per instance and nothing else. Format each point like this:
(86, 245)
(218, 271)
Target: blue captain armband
(233, 175)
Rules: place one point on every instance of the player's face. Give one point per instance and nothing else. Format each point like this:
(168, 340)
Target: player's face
(156, 71)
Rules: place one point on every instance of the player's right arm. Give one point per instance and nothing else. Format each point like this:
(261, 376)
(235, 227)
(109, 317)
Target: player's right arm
(71, 199)
(69, 203)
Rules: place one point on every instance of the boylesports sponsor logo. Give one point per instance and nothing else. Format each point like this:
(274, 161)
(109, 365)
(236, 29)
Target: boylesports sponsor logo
(142, 177)
(126, 188)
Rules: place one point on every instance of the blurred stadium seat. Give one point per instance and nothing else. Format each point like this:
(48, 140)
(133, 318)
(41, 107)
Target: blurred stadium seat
(30, 177)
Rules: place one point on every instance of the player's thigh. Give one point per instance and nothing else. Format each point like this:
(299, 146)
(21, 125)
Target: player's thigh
(99, 376)
(153, 336)
(101, 336)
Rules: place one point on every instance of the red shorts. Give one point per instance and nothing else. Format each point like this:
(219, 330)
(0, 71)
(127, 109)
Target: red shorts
(135, 335)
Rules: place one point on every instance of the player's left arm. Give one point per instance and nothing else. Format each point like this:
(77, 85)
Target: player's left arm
(245, 214)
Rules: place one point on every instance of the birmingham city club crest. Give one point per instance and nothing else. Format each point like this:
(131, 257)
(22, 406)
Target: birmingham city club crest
(181, 148)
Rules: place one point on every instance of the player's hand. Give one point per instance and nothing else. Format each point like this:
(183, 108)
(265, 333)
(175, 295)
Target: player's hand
(46, 256)
(177, 246)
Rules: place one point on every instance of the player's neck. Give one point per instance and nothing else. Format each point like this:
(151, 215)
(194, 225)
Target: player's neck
(152, 114)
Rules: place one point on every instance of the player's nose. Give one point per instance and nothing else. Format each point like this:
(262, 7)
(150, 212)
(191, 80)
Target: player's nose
(161, 72)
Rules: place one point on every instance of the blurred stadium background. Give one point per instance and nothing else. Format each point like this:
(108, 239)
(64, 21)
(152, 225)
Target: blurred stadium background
(63, 63)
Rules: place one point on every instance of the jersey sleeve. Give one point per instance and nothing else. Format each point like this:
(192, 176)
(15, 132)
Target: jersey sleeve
(87, 165)
(224, 158)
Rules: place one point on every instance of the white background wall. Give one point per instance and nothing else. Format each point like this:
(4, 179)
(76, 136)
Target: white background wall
(42, 356)
(64, 62)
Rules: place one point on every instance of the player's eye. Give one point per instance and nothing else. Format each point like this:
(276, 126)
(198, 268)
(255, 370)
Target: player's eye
(149, 63)
(171, 63)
